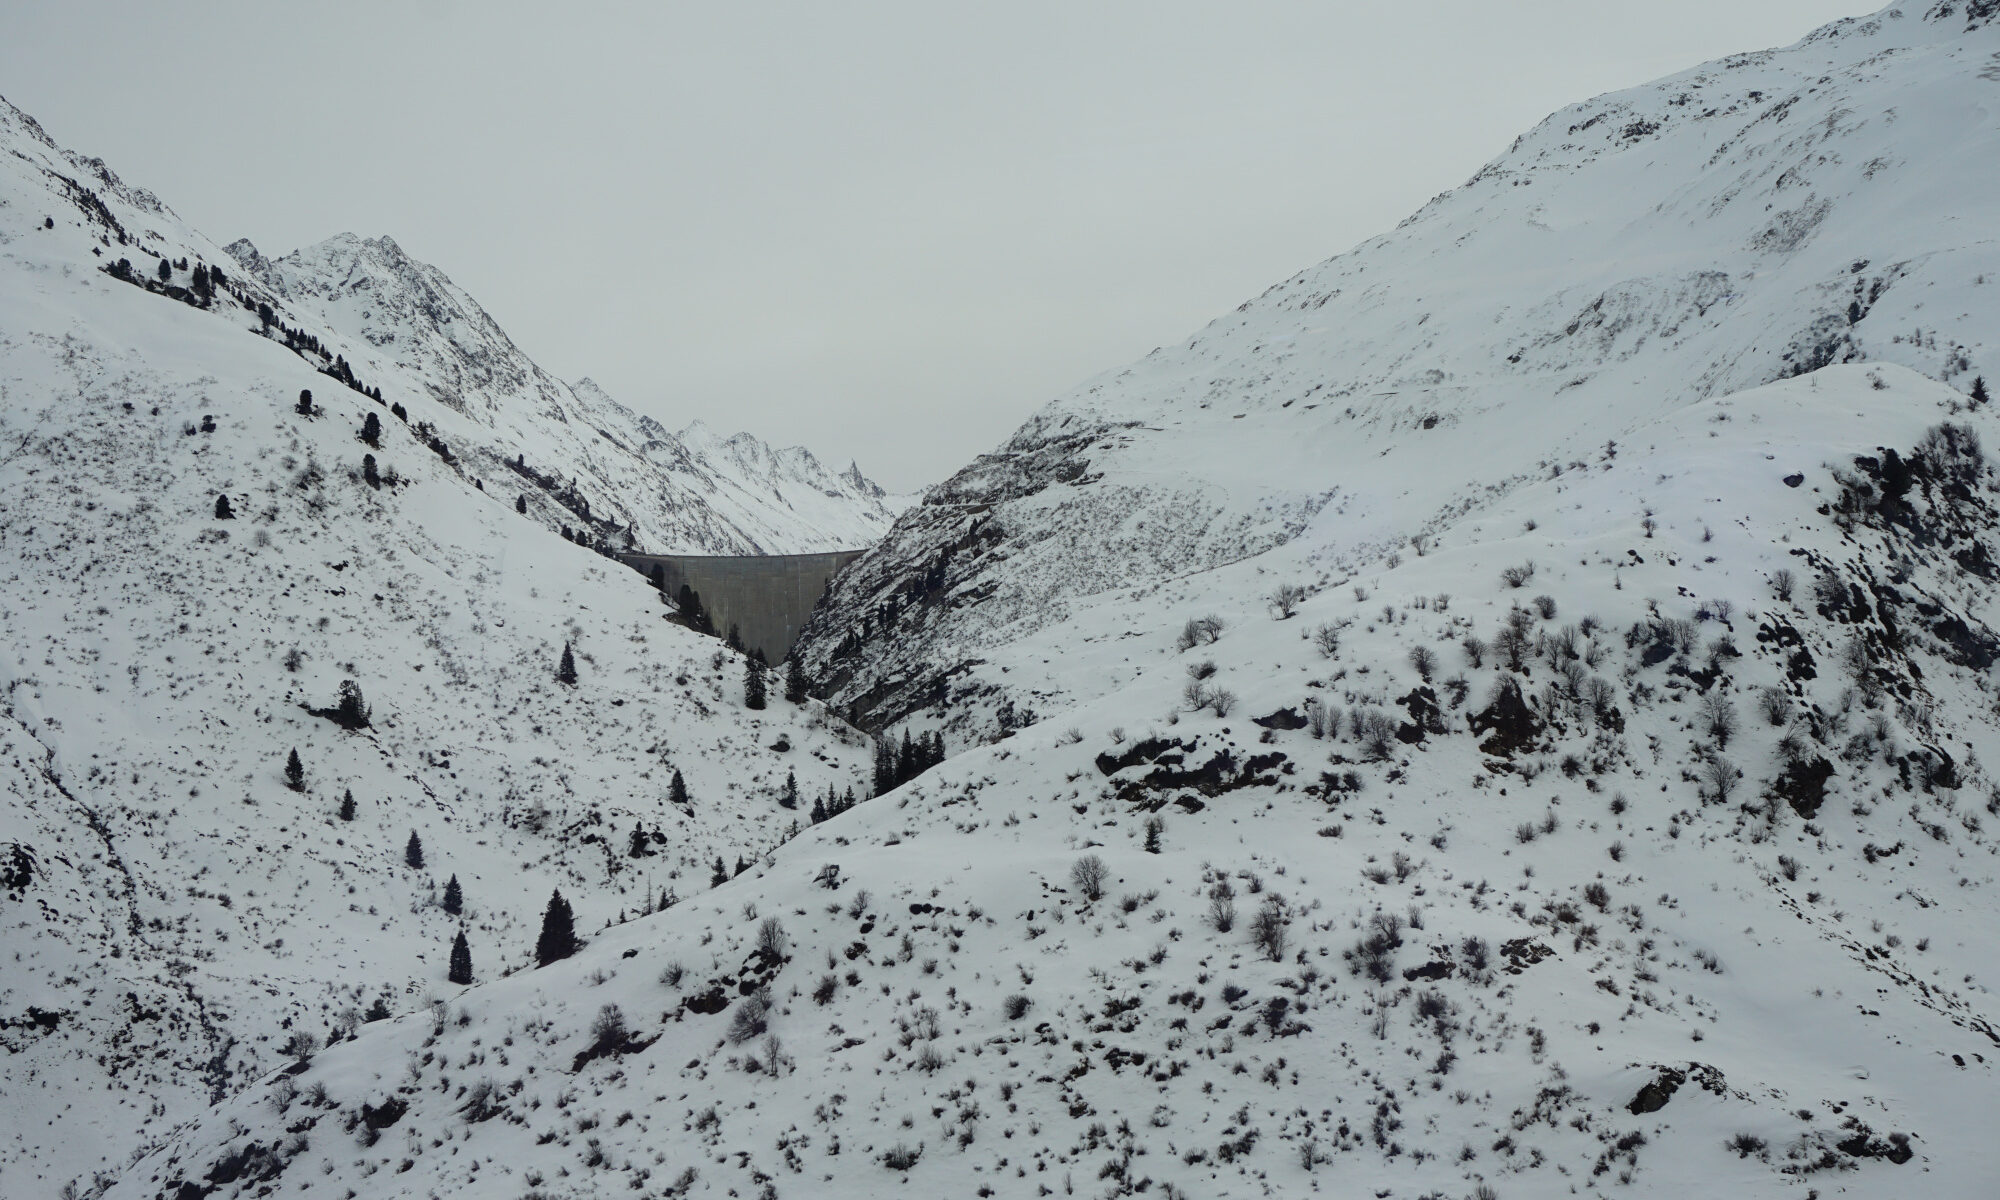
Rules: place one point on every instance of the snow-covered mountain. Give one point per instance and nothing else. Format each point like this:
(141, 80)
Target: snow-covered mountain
(624, 477)
(1557, 776)
(192, 569)
(1663, 874)
(1631, 256)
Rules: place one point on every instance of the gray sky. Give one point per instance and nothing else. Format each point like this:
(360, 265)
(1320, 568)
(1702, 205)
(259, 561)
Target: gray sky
(886, 231)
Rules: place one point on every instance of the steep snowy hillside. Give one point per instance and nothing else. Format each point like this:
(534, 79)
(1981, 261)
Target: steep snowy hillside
(193, 572)
(619, 476)
(1633, 839)
(1633, 255)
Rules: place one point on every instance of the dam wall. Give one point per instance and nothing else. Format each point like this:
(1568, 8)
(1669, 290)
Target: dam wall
(766, 596)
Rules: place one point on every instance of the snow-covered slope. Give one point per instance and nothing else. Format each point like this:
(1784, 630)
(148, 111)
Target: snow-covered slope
(1631, 256)
(626, 477)
(171, 910)
(1677, 882)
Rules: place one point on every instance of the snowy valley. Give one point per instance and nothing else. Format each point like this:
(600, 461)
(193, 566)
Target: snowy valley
(1506, 713)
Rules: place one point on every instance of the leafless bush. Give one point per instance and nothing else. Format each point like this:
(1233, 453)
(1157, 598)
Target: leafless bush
(1286, 599)
(1327, 638)
(1269, 929)
(1718, 718)
(1199, 631)
(1776, 706)
(1424, 661)
(1518, 576)
(771, 939)
(1718, 779)
(1222, 907)
(1784, 583)
(1475, 650)
(1089, 874)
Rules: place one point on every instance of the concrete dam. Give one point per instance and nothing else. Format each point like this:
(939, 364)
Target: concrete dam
(766, 596)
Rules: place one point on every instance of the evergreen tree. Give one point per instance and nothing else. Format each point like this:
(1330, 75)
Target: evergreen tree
(413, 851)
(1154, 827)
(795, 681)
(295, 772)
(735, 639)
(741, 865)
(166, 270)
(223, 511)
(753, 683)
(351, 712)
(371, 430)
(558, 939)
(1979, 396)
(819, 809)
(677, 791)
(789, 798)
(347, 806)
(461, 960)
(370, 473)
(566, 670)
(454, 897)
(305, 405)
(378, 1011)
(885, 767)
(637, 847)
(401, 414)
(521, 503)
(720, 875)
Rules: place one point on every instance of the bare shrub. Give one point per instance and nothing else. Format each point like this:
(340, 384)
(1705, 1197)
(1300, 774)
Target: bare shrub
(1286, 599)
(1518, 576)
(1089, 874)
(1269, 929)
(1222, 907)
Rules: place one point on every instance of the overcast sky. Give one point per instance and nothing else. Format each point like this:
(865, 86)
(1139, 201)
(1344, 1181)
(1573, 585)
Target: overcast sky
(886, 231)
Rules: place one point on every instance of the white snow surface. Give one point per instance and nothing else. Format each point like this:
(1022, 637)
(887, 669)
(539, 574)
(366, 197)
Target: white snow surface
(1629, 832)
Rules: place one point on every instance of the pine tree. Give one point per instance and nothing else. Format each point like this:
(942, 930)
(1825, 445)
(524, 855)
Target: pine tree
(741, 866)
(461, 960)
(566, 670)
(819, 808)
(351, 712)
(371, 430)
(720, 875)
(735, 640)
(521, 503)
(378, 1011)
(1979, 396)
(789, 798)
(1154, 826)
(753, 684)
(795, 681)
(637, 847)
(413, 851)
(558, 939)
(454, 897)
(677, 791)
(223, 511)
(305, 405)
(295, 772)
(347, 806)
(370, 473)
(166, 270)
(399, 412)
